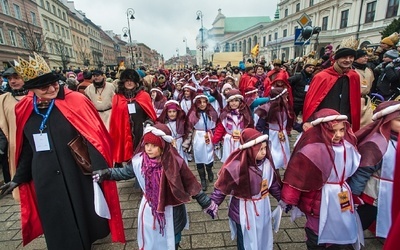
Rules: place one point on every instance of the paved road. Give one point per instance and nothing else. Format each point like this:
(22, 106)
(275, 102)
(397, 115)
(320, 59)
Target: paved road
(204, 233)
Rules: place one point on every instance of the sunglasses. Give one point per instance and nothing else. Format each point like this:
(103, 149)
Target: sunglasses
(46, 88)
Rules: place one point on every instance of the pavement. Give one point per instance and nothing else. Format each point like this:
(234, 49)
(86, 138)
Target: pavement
(203, 233)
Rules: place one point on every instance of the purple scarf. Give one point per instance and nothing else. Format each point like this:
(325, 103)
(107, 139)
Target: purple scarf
(230, 121)
(151, 171)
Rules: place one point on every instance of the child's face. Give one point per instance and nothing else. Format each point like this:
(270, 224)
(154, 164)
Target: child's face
(178, 86)
(262, 152)
(226, 91)
(338, 131)
(152, 150)
(279, 83)
(202, 104)
(234, 104)
(172, 113)
(395, 124)
(153, 95)
(186, 93)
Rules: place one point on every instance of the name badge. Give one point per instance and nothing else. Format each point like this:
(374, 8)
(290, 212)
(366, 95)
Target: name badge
(264, 189)
(344, 201)
(236, 135)
(41, 142)
(306, 88)
(131, 108)
(206, 138)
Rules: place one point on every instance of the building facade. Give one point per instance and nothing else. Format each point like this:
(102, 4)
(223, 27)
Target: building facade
(20, 31)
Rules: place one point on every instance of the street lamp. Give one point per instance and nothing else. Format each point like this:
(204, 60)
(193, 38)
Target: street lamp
(129, 15)
(186, 50)
(200, 17)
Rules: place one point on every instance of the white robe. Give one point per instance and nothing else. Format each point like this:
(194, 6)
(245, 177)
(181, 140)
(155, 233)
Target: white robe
(280, 150)
(203, 153)
(147, 237)
(186, 105)
(255, 217)
(178, 140)
(335, 226)
(384, 218)
(229, 144)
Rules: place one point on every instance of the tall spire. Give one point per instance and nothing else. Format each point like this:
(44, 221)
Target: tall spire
(276, 17)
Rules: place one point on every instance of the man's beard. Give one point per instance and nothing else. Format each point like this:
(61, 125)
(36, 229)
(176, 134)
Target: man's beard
(98, 84)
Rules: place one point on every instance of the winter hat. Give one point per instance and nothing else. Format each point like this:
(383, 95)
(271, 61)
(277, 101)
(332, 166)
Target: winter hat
(225, 87)
(171, 104)
(70, 74)
(233, 94)
(342, 52)
(360, 53)
(393, 54)
(250, 90)
(387, 41)
(251, 137)
(199, 95)
(152, 139)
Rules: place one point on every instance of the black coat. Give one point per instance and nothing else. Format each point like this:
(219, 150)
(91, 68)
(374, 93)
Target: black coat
(64, 194)
(299, 83)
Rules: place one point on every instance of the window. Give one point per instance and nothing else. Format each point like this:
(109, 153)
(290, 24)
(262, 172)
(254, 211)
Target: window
(311, 3)
(64, 17)
(276, 35)
(285, 33)
(5, 7)
(63, 31)
(297, 7)
(17, 11)
(58, 29)
(54, 10)
(269, 38)
(343, 19)
(42, 3)
(264, 41)
(24, 41)
(13, 39)
(46, 24)
(286, 12)
(52, 27)
(47, 6)
(67, 33)
(391, 11)
(324, 23)
(1, 36)
(33, 17)
(70, 52)
(370, 15)
(51, 48)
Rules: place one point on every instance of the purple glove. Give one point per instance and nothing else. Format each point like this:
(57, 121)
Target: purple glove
(212, 210)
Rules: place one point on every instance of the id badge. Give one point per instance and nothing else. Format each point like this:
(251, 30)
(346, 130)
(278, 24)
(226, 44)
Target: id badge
(236, 135)
(99, 99)
(264, 189)
(281, 136)
(207, 139)
(131, 108)
(306, 88)
(344, 201)
(41, 142)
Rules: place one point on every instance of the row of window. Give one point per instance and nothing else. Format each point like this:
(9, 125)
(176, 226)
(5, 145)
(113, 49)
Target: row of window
(13, 40)
(391, 11)
(56, 28)
(17, 12)
(59, 48)
(59, 13)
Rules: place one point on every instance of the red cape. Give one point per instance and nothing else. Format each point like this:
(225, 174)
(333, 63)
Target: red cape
(246, 81)
(120, 128)
(93, 131)
(322, 83)
(392, 241)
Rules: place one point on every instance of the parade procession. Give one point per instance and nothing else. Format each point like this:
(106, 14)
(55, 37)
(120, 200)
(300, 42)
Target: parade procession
(276, 127)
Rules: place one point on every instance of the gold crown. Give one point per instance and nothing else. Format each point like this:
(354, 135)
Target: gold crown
(350, 43)
(31, 69)
(311, 61)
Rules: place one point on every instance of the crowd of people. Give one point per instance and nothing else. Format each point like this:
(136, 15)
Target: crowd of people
(149, 124)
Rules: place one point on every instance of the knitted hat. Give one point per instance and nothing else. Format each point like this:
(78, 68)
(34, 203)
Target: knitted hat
(152, 139)
(233, 94)
(343, 52)
(360, 53)
(70, 74)
(393, 54)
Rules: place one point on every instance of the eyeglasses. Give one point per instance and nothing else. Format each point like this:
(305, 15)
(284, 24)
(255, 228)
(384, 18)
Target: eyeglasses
(46, 88)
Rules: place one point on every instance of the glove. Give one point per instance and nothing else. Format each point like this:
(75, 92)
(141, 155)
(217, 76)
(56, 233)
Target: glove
(285, 207)
(8, 188)
(212, 210)
(118, 165)
(101, 175)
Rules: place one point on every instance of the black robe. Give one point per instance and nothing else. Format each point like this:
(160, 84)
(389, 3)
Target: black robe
(64, 194)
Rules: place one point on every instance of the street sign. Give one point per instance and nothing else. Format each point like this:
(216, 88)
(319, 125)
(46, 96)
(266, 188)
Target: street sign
(304, 20)
(298, 38)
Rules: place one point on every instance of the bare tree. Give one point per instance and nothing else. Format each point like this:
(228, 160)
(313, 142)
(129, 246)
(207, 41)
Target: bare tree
(32, 37)
(62, 51)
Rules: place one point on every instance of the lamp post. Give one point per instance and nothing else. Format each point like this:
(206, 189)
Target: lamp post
(129, 15)
(200, 17)
(186, 50)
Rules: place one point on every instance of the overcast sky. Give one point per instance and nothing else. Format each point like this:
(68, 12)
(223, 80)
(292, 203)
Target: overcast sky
(162, 24)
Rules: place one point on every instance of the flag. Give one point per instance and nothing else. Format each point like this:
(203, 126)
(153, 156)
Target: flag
(254, 51)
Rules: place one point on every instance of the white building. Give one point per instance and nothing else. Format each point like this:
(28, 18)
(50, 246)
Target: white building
(338, 19)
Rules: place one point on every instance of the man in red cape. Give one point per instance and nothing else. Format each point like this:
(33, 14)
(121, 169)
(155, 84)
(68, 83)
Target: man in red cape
(325, 90)
(88, 123)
